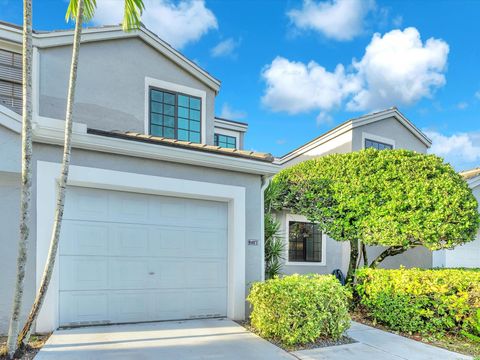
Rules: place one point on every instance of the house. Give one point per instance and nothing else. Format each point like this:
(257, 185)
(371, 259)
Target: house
(164, 208)
(467, 255)
(307, 249)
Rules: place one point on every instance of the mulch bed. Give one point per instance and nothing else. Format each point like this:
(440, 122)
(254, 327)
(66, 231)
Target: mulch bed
(34, 346)
(320, 343)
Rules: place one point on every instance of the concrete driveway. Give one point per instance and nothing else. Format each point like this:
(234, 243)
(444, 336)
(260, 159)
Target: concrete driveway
(189, 339)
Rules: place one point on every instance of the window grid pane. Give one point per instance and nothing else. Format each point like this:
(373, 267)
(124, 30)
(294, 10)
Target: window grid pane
(175, 116)
(377, 145)
(225, 141)
(304, 242)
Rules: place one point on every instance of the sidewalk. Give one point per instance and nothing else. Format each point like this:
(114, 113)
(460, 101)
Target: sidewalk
(375, 344)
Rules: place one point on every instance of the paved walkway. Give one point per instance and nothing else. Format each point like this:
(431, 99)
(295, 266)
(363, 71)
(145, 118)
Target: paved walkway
(374, 344)
(183, 340)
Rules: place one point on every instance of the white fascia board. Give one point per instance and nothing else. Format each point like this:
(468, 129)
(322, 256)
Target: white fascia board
(10, 119)
(474, 182)
(9, 33)
(331, 135)
(50, 131)
(230, 125)
(62, 38)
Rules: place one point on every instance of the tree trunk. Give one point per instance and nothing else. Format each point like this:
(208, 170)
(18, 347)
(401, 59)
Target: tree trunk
(26, 177)
(391, 251)
(364, 254)
(352, 266)
(62, 184)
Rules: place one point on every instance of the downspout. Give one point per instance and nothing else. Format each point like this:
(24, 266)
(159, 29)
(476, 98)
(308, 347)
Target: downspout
(265, 181)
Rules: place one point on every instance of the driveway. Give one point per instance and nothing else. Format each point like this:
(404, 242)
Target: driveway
(189, 339)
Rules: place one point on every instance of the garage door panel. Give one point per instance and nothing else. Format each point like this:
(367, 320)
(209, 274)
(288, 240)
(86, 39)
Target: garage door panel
(83, 272)
(167, 242)
(127, 257)
(128, 273)
(206, 244)
(84, 238)
(206, 214)
(129, 207)
(208, 302)
(84, 307)
(129, 240)
(130, 306)
(170, 304)
(168, 274)
(87, 204)
(206, 274)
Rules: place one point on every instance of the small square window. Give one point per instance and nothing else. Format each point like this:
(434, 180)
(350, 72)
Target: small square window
(194, 137)
(195, 115)
(182, 135)
(183, 101)
(195, 103)
(169, 133)
(304, 242)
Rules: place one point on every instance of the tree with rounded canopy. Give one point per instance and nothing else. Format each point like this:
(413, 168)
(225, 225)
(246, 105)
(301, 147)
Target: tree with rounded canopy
(399, 199)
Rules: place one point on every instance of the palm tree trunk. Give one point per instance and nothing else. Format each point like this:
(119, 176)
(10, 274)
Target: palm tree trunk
(26, 176)
(62, 184)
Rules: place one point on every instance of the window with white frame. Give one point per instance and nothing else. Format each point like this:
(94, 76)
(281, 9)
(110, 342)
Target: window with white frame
(305, 242)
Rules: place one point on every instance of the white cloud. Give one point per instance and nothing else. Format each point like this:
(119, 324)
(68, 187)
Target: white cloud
(396, 69)
(231, 114)
(335, 19)
(477, 94)
(462, 105)
(397, 21)
(178, 23)
(296, 87)
(324, 118)
(225, 48)
(462, 150)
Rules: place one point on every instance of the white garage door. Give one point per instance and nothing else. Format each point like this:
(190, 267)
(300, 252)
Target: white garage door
(127, 257)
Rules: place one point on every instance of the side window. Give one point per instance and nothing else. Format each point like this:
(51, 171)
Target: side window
(11, 80)
(225, 141)
(377, 145)
(304, 242)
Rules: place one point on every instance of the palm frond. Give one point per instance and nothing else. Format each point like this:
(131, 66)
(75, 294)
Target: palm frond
(132, 15)
(88, 10)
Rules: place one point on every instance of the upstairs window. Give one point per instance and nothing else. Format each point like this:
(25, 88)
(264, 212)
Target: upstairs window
(225, 141)
(175, 115)
(304, 242)
(11, 80)
(377, 145)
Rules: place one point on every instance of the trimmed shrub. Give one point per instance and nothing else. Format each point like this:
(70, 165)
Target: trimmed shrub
(424, 301)
(299, 309)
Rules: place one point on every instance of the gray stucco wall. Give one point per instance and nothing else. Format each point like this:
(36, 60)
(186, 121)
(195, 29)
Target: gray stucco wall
(388, 128)
(110, 93)
(43, 152)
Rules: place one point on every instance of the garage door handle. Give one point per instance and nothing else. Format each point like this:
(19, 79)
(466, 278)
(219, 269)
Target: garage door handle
(151, 273)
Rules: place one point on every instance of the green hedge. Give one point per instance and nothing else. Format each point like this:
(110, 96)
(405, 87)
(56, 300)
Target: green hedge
(425, 301)
(298, 309)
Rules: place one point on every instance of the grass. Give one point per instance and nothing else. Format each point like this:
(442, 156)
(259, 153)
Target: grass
(453, 342)
(34, 345)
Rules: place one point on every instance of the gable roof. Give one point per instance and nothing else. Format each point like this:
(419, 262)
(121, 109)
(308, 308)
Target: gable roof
(353, 123)
(45, 39)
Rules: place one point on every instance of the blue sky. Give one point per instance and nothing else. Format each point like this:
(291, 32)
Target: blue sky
(295, 69)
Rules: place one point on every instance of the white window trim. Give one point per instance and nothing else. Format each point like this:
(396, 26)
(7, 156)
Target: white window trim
(47, 182)
(166, 85)
(231, 133)
(301, 218)
(367, 136)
